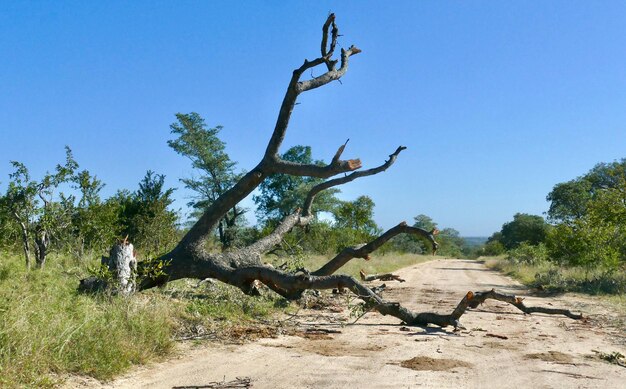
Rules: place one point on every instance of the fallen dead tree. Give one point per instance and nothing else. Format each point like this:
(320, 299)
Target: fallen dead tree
(243, 267)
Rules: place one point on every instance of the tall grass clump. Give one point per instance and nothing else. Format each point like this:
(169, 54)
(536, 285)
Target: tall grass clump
(47, 329)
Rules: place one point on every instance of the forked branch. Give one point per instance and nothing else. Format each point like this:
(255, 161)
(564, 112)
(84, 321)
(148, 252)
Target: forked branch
(296, 86)
(364, 251)
(304, 216)
(327, 53)
(351, 177)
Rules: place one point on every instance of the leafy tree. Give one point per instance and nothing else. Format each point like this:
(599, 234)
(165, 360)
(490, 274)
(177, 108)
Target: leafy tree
(492, 248)
(357, 215)
(32, 207)
(524, 228)
(9, 231)
(95, 224)
(217, 172)
(424, 222)
(321, 237)
(354, 222)
(282, 194)
(597, 238)
(450, 243)
(528, 254)
(145, 216)
(569, 200)
(494, 245)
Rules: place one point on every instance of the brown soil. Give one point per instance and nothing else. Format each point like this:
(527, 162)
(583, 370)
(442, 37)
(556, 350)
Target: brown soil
(552, 356)
(433, 364)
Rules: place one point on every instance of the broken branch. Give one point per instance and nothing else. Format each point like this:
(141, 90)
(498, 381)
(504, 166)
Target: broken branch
(381, 277)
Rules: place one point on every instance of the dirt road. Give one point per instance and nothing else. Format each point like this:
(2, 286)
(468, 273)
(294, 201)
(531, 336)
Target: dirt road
(500, 348)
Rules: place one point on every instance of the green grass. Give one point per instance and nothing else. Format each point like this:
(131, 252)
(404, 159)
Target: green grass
(46, 328)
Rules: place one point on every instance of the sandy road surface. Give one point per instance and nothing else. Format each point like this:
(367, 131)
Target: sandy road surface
(539, 351)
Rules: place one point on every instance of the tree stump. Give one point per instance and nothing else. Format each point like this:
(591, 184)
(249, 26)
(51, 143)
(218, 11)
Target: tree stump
(122, 263)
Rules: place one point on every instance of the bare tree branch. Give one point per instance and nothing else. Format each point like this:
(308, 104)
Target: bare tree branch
(381, 277)
(303, 217)
(296, 86)
(364, 251)
(328, 53)
(290, 285)
(192, 241)
(351, 177)
(334, 168)
(331, 75)
(265, 244)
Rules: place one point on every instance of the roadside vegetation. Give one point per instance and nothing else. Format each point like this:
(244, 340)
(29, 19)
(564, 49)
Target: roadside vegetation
(582, 245)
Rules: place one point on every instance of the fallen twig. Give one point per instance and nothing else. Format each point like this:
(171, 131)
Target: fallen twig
(382, 277)
(497, 336)
(239, 382)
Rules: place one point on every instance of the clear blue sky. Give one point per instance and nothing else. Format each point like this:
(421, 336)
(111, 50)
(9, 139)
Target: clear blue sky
(496, 101)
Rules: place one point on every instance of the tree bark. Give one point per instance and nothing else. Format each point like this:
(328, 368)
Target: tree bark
(382, 277)
(122, 263)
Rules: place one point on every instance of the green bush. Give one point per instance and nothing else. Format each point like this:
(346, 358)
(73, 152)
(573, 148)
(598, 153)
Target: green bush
(592, 215)
(493, 248)
(528, 254)
(598, 238)
(580, 280)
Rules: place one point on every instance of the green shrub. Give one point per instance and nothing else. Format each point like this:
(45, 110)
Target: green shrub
(596, 239)
(493, 248)
(528, 254)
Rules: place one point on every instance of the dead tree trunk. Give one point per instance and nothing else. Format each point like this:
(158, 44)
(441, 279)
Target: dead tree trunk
(243, 267)
(122, 263)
